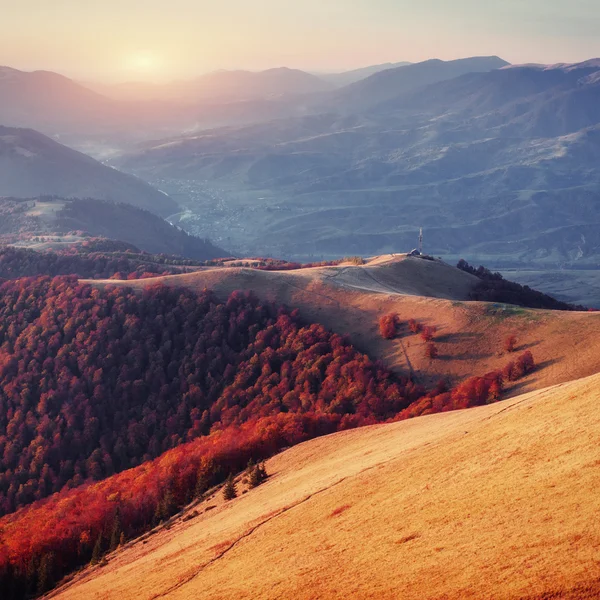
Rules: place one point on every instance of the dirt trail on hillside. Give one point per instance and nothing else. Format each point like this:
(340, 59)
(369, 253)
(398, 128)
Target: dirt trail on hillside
(493, 502)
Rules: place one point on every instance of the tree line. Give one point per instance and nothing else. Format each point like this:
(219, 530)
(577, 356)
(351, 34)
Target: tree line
(494, 288)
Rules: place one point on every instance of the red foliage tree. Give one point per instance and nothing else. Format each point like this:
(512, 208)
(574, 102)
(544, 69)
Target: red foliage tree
(519, 368)
(427, 333)
(510, 343)
(431, 351)
(388, 326)
(414, 326)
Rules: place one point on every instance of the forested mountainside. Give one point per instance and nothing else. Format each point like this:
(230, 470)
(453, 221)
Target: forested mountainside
(24, 219)
(98, 381)
(95, 381)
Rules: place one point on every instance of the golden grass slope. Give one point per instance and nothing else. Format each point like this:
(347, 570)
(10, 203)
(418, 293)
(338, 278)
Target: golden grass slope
(350, 299)
(497, 502)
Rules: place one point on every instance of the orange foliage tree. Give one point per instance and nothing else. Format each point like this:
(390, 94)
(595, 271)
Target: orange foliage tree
(510, 343)
(427, 333)
(388, 326)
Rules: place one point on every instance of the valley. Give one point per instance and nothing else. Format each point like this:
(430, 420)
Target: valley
(478, 160)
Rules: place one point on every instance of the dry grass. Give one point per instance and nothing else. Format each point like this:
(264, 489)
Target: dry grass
(340, 510)
(470, 339)
(497, 502)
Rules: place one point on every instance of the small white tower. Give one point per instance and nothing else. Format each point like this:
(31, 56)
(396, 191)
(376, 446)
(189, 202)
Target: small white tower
(421, 241)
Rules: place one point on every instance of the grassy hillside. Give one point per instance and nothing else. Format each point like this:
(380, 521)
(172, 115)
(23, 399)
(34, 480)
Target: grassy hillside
(494, 502)
(350, 299)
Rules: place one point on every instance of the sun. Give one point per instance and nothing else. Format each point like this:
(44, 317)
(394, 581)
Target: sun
(143, 63)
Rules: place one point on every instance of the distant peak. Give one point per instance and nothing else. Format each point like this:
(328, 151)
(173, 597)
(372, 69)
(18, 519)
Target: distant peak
(6, 72)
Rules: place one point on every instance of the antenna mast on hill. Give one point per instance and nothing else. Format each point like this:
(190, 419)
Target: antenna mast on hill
(421, 241)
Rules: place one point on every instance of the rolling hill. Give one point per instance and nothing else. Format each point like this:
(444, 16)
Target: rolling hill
(177, 387)
(147, 400)
(57, 223)
(492, 502)
(32, 164)
(349, 299)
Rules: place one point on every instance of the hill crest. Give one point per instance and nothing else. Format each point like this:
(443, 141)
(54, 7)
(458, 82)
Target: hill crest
(350, 299)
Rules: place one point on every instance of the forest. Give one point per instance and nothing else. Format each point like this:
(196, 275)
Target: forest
(94, 259)
(494, 288)
(117, 409)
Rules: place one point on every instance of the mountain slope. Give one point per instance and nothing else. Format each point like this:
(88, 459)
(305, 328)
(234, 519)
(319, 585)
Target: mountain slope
(51, 222)
(528, 101)
(497, 501)
(32, 164)
(354, 75)
(390, 83)
(41, 98)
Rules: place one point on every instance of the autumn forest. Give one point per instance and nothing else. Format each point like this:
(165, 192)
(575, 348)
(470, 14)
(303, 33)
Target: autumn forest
(118, 408)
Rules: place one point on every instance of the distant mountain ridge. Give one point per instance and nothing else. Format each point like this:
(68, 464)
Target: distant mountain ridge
(539, 101)
(223, 85)
(347, 77)
(389, 83)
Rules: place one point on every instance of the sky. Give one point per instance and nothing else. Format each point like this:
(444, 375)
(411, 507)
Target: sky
(162, 40)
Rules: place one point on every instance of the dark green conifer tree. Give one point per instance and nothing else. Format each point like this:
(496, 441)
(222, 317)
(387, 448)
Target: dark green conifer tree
(115, 536)
(97, 551)
(230, 489)
(45, 573)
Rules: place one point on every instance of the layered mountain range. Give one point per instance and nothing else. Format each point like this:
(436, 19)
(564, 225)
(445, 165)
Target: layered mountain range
(496, 163)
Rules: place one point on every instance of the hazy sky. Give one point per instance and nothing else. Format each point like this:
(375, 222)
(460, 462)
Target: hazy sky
(167, 39)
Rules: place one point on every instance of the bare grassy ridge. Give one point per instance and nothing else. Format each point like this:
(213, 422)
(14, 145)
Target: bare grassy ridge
(493, 502)
(350, 299)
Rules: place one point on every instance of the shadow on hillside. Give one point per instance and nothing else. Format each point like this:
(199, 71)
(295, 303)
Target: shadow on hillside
(455, 338)
(467, 356)
(520, 386)
(545, 363)
(524, 347)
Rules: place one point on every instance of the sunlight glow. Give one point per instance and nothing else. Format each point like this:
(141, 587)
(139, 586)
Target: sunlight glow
(143, 63)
